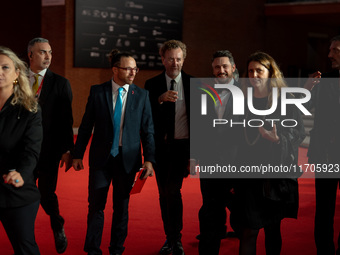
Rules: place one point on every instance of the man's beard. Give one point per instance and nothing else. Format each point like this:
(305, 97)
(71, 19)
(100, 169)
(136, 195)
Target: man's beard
(224, 79)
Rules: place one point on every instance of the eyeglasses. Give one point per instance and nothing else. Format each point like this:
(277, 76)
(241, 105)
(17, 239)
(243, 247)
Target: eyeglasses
(136, 69)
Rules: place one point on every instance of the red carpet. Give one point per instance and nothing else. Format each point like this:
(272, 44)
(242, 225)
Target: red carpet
(146, 235)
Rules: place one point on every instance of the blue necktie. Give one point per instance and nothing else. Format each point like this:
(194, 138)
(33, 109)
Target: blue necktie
(116, 123)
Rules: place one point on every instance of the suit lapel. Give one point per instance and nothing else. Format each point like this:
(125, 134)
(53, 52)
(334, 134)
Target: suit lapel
(46, 87)
(186, 88)
(130, 101)
(108, 95)
(163, 87)
(229, 105)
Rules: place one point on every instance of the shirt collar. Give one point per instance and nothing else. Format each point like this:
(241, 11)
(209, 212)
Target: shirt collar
(177, 79)
(41, 73)
(115, 86)
(232, 81)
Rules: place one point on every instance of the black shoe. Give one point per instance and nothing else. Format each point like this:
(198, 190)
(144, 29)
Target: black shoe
(60, 240)
(177, 248)
(166, 248)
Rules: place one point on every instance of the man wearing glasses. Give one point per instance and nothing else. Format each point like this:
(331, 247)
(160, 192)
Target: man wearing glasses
(120, 114)
(169, 96)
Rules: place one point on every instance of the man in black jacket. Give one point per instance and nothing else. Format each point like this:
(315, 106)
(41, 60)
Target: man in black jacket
(324, 148)
(219, 147)
(55, 98)
(169, 96)
(120, 114)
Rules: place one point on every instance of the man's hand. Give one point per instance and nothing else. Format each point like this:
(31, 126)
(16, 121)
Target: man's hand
(313, 79)
(78, 164)
(148, 169)
(169, 96)
(66, 159)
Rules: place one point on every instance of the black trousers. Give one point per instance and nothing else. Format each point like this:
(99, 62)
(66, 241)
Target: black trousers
(212, 215)
(171, 168)
(325, 190)
(19, 226)
(47, 184)
(99, 184)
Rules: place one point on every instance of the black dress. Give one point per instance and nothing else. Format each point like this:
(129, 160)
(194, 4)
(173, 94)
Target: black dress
(261, 202)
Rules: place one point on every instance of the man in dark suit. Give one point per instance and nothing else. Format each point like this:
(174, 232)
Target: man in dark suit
(169, 96)
(55, 98)
(219, 146)
(324, 148)
(120, 114)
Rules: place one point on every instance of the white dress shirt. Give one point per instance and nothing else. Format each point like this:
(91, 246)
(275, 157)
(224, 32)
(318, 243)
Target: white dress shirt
(181, 118)
(125, 91)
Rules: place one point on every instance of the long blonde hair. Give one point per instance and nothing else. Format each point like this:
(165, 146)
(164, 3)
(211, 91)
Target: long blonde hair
(276, 78)
(23, 94)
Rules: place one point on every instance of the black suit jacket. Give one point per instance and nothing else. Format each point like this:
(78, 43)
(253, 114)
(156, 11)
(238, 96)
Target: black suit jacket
(56, 103)
(137, 127)
(214, 145)
(325, 100)
(20, 143)
(156, 87)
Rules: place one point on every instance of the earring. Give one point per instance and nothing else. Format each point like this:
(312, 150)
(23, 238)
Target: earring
(15, 82)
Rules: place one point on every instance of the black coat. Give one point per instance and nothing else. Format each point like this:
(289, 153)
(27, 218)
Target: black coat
(325, 100)
(156, 87)
(161, 112)
(213, 145)
(56, 104)
(20, 143)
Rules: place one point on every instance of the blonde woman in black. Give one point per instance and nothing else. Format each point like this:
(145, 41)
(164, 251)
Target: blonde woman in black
(20, 136)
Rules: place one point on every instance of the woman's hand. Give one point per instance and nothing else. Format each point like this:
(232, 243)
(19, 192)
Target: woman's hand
(270, 135)
(13, 178)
